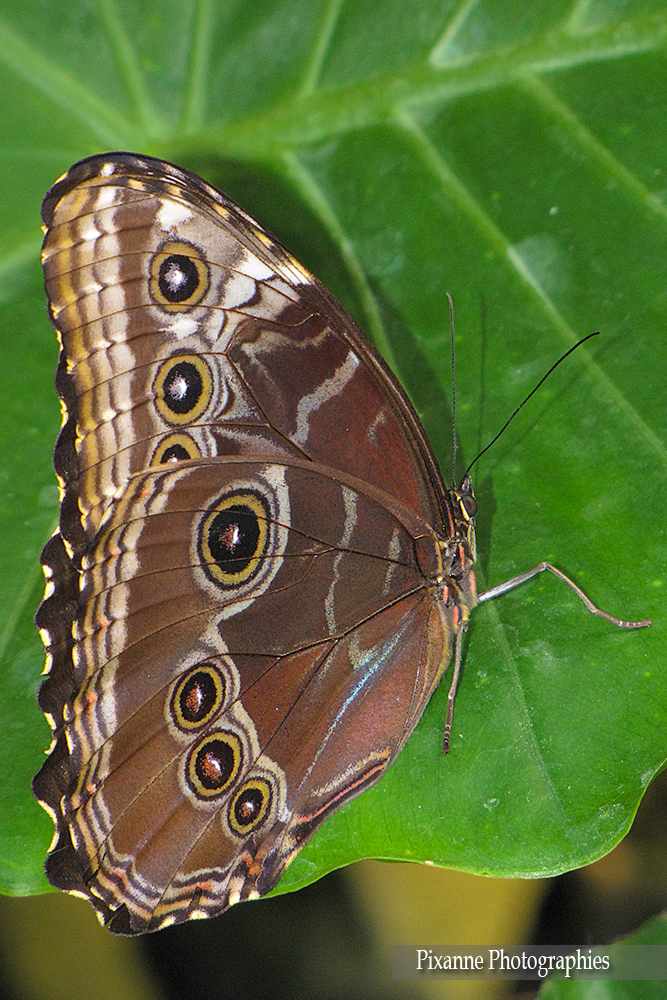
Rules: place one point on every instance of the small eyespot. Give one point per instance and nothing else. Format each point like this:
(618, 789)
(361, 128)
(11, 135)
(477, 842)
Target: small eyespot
(182, 388)
(175, 448)
(213, 764)
(233, 539)
(179, 276)
(250, 806)
(198, 697)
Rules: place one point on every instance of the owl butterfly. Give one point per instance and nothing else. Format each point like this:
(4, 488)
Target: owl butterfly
(259, 573)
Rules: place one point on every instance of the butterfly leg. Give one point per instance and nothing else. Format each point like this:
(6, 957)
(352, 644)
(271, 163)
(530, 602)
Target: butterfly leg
(502, 588)
(452, 689)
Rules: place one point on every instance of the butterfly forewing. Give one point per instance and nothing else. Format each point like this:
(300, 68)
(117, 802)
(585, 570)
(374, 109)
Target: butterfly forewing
(214, 372)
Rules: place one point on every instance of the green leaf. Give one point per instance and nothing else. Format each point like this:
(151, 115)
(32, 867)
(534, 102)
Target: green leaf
(514, 156)
(621, 961)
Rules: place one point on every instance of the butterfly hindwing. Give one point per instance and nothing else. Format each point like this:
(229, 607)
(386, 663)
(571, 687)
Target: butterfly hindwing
(192, 667)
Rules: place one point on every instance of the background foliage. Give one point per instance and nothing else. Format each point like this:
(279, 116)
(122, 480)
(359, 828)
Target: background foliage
(513, 155)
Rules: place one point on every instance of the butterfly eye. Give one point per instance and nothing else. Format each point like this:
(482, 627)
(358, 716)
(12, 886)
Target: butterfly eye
(213, 764)
(179, 276)
(250, 805)
(468, 505)
(183, 388)
(233, 538)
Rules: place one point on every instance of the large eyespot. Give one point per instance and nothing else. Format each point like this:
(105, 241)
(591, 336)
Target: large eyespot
(250, 805)
(179, 276)
(234, 537)
(213, 764)
(183, 388)
(175, 448)
(198, 696)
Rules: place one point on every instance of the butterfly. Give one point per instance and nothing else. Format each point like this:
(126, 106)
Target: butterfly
(259, 575)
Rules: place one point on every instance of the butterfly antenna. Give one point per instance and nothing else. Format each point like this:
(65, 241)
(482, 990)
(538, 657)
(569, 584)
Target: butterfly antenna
(451, 327)
(531, 393)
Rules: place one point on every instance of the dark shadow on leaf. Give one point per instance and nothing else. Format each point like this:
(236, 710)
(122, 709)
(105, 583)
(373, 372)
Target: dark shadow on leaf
(266, 195)
(486, 511)
(429, 399)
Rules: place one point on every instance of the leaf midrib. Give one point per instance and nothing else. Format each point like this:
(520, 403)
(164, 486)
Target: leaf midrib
(309, 115)
(302, 119)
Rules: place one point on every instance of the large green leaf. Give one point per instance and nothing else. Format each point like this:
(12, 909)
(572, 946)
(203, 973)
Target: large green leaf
(514, 156)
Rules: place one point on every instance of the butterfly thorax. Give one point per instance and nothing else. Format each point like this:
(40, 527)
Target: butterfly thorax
(460, 551)
(447, 560)
(457, 554)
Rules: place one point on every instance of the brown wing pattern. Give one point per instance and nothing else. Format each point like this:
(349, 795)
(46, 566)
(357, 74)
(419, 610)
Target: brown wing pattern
(249, 599)
(264, 360)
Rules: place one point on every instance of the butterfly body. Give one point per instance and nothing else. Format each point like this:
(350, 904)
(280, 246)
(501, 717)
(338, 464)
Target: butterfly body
(259, 572)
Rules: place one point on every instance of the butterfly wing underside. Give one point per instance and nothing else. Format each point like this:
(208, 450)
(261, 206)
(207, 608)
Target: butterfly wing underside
(241, 623)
